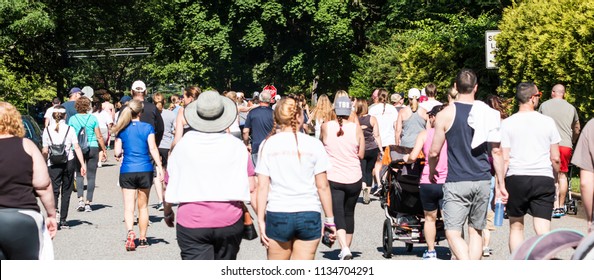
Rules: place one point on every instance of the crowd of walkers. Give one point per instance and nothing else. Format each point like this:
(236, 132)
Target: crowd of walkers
(300, 170)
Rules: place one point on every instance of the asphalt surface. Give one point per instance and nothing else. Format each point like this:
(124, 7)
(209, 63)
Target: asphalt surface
(100, 235)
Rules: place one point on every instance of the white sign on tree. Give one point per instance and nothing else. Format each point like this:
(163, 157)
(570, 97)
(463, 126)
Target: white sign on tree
(491, 48)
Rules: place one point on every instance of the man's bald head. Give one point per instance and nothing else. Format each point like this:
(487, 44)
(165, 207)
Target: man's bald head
(558, 91)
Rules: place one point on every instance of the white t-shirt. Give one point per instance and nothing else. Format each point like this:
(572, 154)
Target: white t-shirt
(49, 114)
(292, 180)
(104, 118)
(58, 137)
(529, 135)
(385, 120)
(429, 104)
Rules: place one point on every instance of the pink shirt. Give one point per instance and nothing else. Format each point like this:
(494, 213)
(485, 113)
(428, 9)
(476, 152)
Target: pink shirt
(345, 165)
(212, 214)
(442, 165)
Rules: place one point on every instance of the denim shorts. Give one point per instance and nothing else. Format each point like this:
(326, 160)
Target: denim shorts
(284, 227)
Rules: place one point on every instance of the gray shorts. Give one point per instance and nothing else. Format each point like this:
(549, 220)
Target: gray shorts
(463, 200)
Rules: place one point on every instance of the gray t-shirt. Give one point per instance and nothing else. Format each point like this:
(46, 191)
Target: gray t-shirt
(564, 114)
(169, 124)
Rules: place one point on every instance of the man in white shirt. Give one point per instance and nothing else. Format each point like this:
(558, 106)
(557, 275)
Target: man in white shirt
(530, 143)
(431, 92)
(49, 118)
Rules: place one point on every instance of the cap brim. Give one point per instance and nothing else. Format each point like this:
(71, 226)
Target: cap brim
(223, 122)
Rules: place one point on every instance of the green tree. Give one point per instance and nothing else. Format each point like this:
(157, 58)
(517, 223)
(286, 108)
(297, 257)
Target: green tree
(24, 29)
(549, 42)
(431, 53)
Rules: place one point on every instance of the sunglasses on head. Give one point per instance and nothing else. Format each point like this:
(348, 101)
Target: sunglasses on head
(538, 94)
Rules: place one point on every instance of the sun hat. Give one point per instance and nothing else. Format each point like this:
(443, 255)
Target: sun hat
(414, 93)
(343, 106)
(210, 112)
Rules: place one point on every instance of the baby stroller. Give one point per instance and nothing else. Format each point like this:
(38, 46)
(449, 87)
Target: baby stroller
(400, 199)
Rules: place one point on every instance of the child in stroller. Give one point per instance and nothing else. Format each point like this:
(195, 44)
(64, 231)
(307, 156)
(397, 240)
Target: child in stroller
(401, 201)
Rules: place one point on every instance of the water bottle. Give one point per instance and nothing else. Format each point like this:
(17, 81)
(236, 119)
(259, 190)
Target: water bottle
(498, 213)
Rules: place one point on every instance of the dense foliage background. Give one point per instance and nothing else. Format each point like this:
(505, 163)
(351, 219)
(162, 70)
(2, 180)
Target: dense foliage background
(48, 46)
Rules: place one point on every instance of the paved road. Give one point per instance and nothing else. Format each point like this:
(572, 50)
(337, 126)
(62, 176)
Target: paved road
(100, 235)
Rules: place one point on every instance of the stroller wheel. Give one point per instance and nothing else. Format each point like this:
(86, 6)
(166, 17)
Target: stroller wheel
(409, 247)
(388, 239)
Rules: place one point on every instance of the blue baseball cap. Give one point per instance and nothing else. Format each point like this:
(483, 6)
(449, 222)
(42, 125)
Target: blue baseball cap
(74, 90)
(125, 99)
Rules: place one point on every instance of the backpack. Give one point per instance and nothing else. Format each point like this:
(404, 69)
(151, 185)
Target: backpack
(83, 140)
(57, 152)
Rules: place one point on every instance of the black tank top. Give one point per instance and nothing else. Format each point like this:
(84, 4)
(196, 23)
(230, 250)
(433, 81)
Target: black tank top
(16, 176)
(370, 143)
(464, 163)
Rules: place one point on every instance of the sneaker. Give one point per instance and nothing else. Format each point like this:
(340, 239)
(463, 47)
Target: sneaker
(143, 243)
(558, 213)
(345, 254)
(430, 255)
(99, 164)
(88, 208)
(130, 245)
(366, 199)
(57, 215)
(486, 252)
(160, 207)
(63, 225)
(81, 206)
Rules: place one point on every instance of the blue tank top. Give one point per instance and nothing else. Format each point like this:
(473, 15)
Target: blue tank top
(464, 163)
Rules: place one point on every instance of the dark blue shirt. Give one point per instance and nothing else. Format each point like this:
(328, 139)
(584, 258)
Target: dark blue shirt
(465, 163)
(136, 148)
(260, 122)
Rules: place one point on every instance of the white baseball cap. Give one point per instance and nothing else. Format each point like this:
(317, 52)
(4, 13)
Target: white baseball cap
(138, 86)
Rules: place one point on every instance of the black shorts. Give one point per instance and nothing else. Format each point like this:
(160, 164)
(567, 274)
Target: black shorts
(431, 196)
(164, 153)
(136, 180)
(532, 195)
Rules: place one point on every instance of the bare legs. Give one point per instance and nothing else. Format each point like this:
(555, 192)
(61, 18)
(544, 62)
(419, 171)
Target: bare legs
(462, 251)
(516, 230)
(292, 250)
(129, 205)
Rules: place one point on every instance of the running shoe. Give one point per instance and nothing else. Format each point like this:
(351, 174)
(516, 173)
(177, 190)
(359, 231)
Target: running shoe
(345, 254)
(160, 207)
(81, 206)
(366, 198)
(88, 208)
(130, 245)
(430, 255)
(143, 243)
(558, 213)
(486, 252)
(63, 225)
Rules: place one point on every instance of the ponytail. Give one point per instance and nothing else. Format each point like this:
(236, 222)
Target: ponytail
(414, 105)
(340, 132)
(58, 115)
(131, 111)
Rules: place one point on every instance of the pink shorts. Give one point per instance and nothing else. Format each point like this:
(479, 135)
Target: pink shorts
(565, 154)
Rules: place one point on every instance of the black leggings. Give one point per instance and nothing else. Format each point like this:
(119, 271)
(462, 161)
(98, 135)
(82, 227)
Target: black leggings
(367, 164)
(344, 200)
(62, 176)
(91, 161)
(19, 235)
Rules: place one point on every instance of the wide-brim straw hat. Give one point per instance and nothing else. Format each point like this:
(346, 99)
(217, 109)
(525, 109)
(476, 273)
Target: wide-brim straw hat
(210, 112)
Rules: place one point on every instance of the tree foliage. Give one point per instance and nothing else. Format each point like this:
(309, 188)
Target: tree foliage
(24, 29)
(432, 52)
(549, 42)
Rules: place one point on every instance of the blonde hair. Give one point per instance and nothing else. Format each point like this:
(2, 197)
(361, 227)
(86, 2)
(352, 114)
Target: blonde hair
(10, 120)
(286, 114)
(232, 95)
(132, 110)
(323, 109)
(452, 94)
